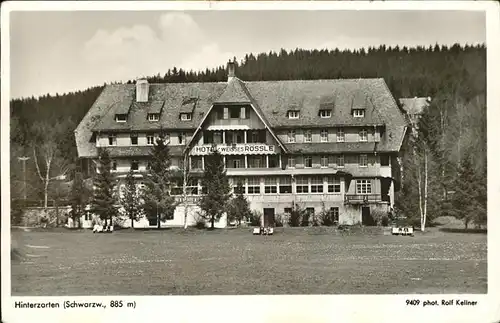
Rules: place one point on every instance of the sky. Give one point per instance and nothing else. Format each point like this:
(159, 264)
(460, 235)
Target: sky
(59, 52)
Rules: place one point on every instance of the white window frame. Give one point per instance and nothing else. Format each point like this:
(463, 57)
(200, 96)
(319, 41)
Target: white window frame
(291, 136)
(363, 160)
(186, 116)
(363, 186)
(324, 161)
(325, 114)
(291, 162)
(324, 135)
(363, 135)
(358, 113)
(307, 135)
(293, 114)
(251, 186)
(340, 135)
(153, 116)
(150, 140)
(112, 139)
(288, 183)
(120, 120)
(306, 158)
(333, 184)
(317, 185)
(340, 164)
(302, 182)
(272, 184)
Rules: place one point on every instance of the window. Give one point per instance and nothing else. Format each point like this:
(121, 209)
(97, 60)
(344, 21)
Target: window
(176, 188)
(358, 113)
(291, 162)
(270, 185)
(333, 184)
(316, 185)
(196, 162)
(363, 160)
(334, 212)
(340, 161)
(150, 139)
(134, 165)
(256, 161)
(293, 114)
(363, 186)
(234, 113)
(325, 113)
(324, 135)
(363, 135)
(238, 182)
(307, 136)
(288, 210)
(133, 139)
(384, 160)
(274, 161)
(253, 185)
(340, 135)
(112, 139)
(235, 162)
(291, 136)
(192, 187)
(308, 161)
(285, 184)
(219, 113)
(217, 137)
(186, 116)
(113, 165)
(324, 161)
(182, 138)
(302, 185)
(153, 116)
(121, 118)
(243, 114)
(331, 160)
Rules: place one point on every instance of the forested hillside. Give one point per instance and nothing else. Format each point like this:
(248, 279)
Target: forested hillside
(453, 129)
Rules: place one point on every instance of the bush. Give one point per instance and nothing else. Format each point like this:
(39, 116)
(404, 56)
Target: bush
(377, 215)
(255, 217)
(384, 221)
(294, 218)
(200, 222)
(326, 218)
(278, 220)
(305, 219)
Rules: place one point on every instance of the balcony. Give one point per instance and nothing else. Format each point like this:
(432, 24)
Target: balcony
(362, 198)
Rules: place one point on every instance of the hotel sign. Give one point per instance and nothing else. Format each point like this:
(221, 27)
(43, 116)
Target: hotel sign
(238, 149)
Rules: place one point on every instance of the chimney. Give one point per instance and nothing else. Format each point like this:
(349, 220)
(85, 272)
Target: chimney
(141, 90)
(230, 71)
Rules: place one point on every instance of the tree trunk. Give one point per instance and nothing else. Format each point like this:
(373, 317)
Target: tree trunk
(425, 190)
(212, 222)
(420, 197)
(184, 190)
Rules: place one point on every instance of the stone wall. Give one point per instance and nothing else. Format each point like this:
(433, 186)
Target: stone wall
(32, 216)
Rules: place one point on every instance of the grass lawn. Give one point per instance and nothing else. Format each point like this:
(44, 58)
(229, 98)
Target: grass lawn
(233, 261)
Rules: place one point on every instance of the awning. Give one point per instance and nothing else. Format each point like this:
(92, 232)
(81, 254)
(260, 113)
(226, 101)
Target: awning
(228, 127)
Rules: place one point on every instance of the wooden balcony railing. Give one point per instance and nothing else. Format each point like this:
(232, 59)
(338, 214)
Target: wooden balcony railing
(362, 198)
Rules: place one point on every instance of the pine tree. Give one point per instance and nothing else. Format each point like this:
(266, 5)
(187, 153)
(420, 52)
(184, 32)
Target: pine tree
(131, 199)
(103, 203)
(216, 183)
(79, 198)
(157, 199)
(238, 207)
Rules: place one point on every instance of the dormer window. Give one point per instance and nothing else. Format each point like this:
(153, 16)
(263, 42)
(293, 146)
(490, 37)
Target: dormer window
(186, 116)
(153, 116)
(121, 118)
(358, 113)
(325, 113)
(293, 114)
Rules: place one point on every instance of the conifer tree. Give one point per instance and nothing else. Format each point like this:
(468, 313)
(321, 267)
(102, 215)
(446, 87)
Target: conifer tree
(103, 203)
(131, 199)
(79, 198)
(238, 207)
(158, 201)
(216, 184)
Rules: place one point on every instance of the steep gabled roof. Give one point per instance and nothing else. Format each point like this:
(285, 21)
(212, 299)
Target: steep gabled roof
(270, 100)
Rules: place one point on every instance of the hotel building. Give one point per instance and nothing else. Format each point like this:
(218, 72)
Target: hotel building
(322, 144)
